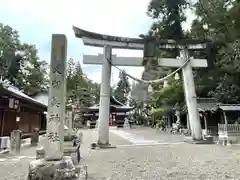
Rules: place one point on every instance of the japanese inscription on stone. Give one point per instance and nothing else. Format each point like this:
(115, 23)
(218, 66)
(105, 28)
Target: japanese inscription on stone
(53, 136)
(56, 104)
(53, 117)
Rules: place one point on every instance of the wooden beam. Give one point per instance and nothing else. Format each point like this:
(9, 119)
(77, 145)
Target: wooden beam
(138, 61)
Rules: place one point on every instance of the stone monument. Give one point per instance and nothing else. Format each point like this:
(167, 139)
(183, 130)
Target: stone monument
(55, 165)
(15, 141)
(126, 124)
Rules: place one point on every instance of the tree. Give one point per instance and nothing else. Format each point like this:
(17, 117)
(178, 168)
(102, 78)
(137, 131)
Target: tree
(95, 91)
(79, 88)
(123, 88)
(171, 95)
(71, 85)
(34, 70)
(218, 20)
(168, 16)
(28, 73)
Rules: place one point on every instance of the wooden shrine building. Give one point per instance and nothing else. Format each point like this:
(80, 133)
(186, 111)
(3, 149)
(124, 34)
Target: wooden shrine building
(19, 111)
(118, 113)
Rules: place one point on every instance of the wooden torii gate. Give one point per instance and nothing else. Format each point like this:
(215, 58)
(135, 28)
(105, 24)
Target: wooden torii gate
(150, 47)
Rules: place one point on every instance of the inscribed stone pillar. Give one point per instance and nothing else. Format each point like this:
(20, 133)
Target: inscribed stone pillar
(56, 102)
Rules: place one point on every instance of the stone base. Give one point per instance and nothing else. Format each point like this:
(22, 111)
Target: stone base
(73, 152)
(49, 170)
(191, 141)
(224, 142)
(102, 146)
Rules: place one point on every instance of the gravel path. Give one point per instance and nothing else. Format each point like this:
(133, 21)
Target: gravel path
(145, 162)
(171, 161)
(16, 166)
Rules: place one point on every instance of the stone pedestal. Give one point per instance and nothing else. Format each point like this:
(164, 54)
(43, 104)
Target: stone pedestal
(35, 137)
(48, 170)
(15, 141)
(77, 120)
(126, 124)
(69, 150)
(69, 118)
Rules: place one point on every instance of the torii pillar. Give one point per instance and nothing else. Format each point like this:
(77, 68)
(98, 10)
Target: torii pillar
(103, 128)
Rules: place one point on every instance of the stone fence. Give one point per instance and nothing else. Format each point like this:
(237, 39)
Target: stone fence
(17, 140)
(228, 133)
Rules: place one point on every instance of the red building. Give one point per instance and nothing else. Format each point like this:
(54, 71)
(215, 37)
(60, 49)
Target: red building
(118, 113)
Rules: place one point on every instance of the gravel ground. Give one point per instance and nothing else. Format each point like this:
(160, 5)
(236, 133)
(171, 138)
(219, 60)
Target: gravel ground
(172, 161)
(128, 162)
(15, 169)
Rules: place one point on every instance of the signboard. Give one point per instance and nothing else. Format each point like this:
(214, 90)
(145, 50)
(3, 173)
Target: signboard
(13, 103)
(121, 113)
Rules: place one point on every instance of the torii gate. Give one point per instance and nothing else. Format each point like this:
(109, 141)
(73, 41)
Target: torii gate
(150, 47)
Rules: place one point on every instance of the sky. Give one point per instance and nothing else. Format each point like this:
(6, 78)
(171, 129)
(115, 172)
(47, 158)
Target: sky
(37, 20)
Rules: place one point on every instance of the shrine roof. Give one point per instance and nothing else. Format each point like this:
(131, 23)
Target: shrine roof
(230, 107)
(114, 103)
(206, 104)
(15, 92)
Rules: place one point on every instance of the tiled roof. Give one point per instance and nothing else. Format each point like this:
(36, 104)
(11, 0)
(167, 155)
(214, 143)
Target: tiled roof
(230, 107)
(16, 92)
(204, 104)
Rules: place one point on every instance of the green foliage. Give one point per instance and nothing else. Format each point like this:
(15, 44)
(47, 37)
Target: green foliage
(79, 87)
(169, 15)
(123, 88)
(157, 112)
(29, 74)
(171, 95)
(217, 20)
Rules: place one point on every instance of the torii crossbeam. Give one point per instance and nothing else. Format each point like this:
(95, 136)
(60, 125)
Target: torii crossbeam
(149, 47)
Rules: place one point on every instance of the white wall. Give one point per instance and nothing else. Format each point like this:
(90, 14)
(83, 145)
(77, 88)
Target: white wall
(42, 97)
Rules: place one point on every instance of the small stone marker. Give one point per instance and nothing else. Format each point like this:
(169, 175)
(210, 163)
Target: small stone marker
(126, 124)
(15, 141)
(35, 137)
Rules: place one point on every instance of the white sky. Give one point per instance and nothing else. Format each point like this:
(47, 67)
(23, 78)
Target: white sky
(36, 20)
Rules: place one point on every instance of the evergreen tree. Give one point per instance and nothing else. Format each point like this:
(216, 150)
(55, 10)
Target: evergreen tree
(123, 88)
(79, 87)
